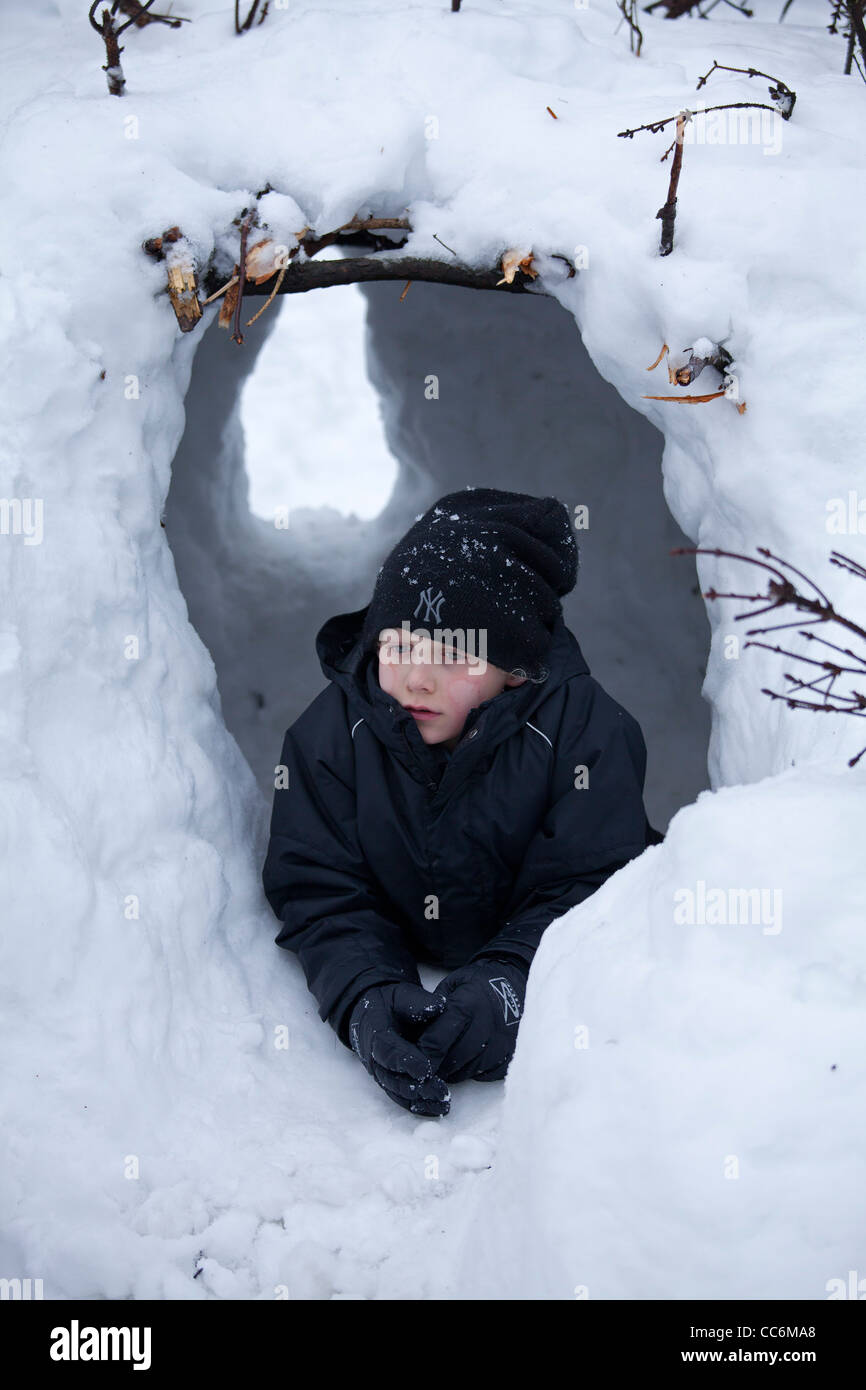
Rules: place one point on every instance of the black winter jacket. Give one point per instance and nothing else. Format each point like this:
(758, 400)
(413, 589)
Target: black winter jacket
(377, 832)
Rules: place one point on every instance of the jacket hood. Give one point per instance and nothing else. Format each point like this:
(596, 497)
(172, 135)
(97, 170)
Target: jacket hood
(345, 662)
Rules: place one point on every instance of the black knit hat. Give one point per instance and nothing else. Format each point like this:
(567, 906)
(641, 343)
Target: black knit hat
(481, 559)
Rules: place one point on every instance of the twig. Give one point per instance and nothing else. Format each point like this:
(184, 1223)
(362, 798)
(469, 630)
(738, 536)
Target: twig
(668, 211)
(270, 299)
(140, 16)
(227, 286)
(136, 18)
(655, 126)
(659, 358)
(112, 68)
(248, 22)
(445, 244)
(782, 593)
(692, 400)
(850, 13)
(628, 10)
(780, 93)
(237, 335)
(312, 244)
(676, 8)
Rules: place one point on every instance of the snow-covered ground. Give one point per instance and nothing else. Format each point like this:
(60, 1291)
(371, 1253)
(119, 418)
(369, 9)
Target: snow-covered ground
(684, 1115)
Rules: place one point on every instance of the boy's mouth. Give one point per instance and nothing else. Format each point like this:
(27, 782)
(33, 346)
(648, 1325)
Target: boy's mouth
(422, 712)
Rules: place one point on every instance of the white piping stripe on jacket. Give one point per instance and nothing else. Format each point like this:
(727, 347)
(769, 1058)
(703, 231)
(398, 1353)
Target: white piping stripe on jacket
(528, 725)
(539, 731)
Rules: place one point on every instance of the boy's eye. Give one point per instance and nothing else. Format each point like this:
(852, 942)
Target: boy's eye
(451, 655)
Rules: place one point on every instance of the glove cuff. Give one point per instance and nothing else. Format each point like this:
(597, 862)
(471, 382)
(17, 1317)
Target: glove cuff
(520, 967)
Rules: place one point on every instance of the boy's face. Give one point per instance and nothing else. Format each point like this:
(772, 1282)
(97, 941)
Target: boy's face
(442, 681)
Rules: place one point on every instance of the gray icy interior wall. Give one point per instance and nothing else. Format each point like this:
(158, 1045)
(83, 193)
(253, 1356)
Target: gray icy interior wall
(520, 406)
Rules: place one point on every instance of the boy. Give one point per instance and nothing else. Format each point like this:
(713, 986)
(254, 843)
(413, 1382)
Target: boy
(461, 782)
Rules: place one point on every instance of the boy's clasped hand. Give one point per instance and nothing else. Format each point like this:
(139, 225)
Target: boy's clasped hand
(413, 1041)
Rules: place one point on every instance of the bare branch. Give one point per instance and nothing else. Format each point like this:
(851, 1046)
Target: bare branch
(655, 126)
(782, 593)
(314, 275)
(135, 18)
(111, 68)
(237, 335)
(248, 22)
(781, 94)
(140, 17)
(628, 10)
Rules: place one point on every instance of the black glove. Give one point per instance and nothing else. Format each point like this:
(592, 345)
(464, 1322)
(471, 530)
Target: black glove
(382, 1025)
(476, 1035)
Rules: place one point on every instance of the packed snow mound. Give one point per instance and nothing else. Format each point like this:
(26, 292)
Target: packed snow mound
(177, 1120)
(684, 1113)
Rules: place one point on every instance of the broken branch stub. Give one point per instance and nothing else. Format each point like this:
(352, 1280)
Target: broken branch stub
(514, 260)
(229, 305)
(181, 277)
(183, 290)
(109, 34)
(110, 31)
(668, 211)
(702, 354)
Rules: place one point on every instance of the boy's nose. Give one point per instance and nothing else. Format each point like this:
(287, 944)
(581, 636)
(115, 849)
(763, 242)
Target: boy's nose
(420, 679)
(420, 672)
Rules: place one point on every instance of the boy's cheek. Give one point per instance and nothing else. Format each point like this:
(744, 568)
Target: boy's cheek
(466, 692)
(386, 678)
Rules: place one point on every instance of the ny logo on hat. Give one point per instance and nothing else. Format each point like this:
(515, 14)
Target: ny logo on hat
(433, 604)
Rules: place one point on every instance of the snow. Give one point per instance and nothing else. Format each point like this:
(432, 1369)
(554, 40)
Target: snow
(682, 1116)
(296, 425)
(171, 1101)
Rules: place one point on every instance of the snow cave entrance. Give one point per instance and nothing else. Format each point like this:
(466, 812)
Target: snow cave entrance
(520, 405)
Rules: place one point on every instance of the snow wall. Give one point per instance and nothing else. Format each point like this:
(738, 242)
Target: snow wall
(684, 1114)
